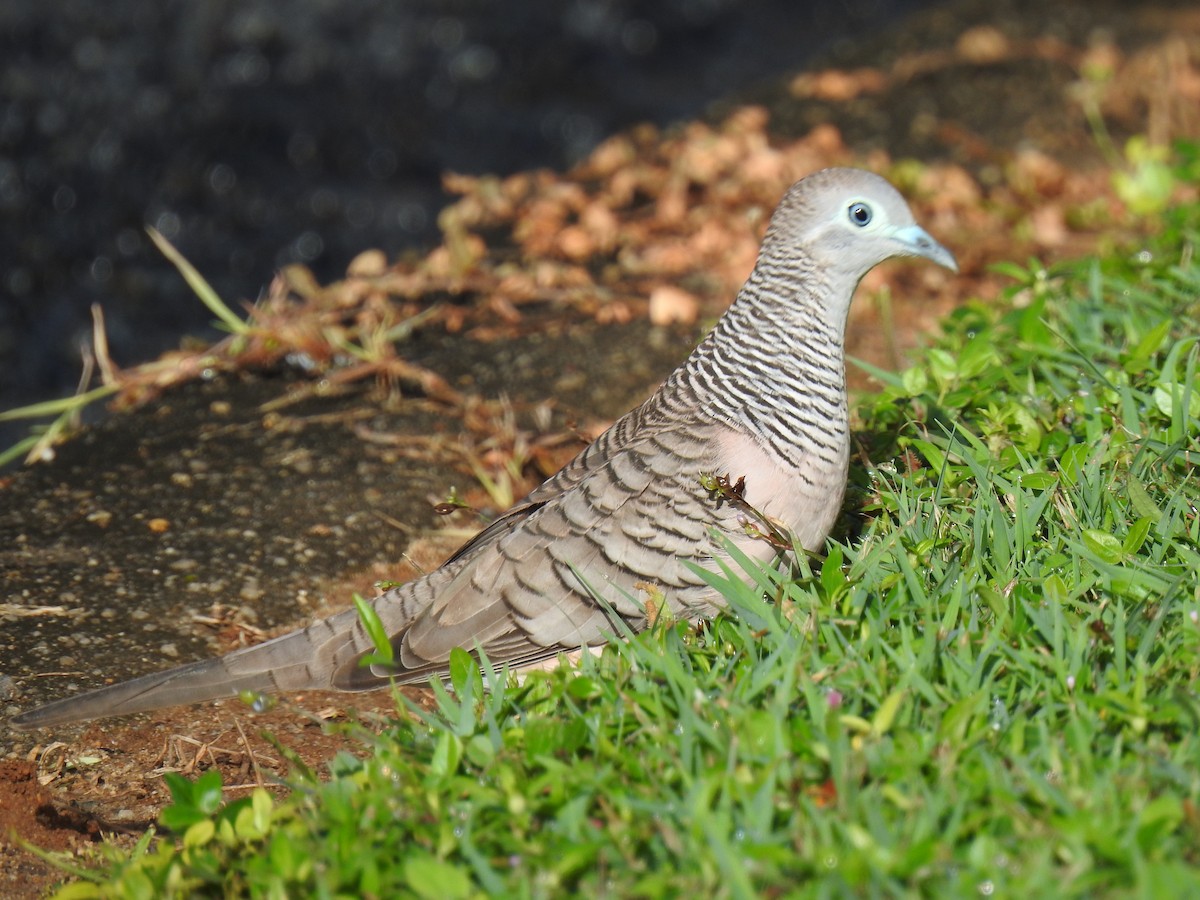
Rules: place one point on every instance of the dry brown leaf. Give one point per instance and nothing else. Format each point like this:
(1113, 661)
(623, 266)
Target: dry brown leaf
(982, 45)
(368, 264)
(838, 85)
(670, 304)
(1049, 225)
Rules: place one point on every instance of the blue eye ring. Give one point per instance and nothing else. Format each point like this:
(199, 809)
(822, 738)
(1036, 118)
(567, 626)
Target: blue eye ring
(860, 213)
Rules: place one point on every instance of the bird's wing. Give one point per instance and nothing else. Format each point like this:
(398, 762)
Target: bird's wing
(517, 591)
(624, 435)
(528, 586)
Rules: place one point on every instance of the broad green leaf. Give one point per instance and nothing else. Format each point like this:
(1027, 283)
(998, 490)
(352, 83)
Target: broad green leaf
(435, 880)
(1103, 544)
(1141, 500)
(200, 833)
(1137, 535)
(446, 755)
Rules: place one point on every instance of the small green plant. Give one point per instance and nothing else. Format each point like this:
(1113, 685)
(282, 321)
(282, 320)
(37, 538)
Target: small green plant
(384, 653)
(233, 323)
(1147, 181)
(271, 332)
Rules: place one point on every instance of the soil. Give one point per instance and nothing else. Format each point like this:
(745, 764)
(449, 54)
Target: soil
(216, 516)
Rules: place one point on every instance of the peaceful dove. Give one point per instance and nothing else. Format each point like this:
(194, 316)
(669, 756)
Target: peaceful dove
(762, 399)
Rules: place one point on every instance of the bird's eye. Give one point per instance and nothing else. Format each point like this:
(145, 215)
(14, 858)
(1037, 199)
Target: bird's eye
(860, 214)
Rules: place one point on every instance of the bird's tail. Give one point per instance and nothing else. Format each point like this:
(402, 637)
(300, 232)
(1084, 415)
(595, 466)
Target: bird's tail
(310, 659)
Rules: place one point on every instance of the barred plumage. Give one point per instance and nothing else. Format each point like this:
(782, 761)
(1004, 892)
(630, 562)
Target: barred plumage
(762, 397)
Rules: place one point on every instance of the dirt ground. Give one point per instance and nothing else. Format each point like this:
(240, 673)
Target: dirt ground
(210, 506)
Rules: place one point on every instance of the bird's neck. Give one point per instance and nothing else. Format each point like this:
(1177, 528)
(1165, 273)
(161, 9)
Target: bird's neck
(786, 316)
(774, 365)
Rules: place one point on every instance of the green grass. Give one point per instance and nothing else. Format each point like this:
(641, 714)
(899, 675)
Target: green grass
(987, 688)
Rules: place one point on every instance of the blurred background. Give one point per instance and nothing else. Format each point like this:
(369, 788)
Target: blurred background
(254, 134)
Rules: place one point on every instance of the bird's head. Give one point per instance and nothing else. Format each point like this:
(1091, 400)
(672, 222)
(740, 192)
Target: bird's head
(846, 222)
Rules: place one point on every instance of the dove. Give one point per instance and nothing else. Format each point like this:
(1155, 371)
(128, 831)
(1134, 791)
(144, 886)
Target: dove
(747, 439)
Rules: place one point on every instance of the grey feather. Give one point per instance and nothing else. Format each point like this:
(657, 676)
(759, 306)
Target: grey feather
(762, 397)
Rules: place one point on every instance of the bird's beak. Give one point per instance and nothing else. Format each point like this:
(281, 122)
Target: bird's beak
(917, 242)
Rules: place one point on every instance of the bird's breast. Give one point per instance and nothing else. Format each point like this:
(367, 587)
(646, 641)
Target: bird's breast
(804, 494)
